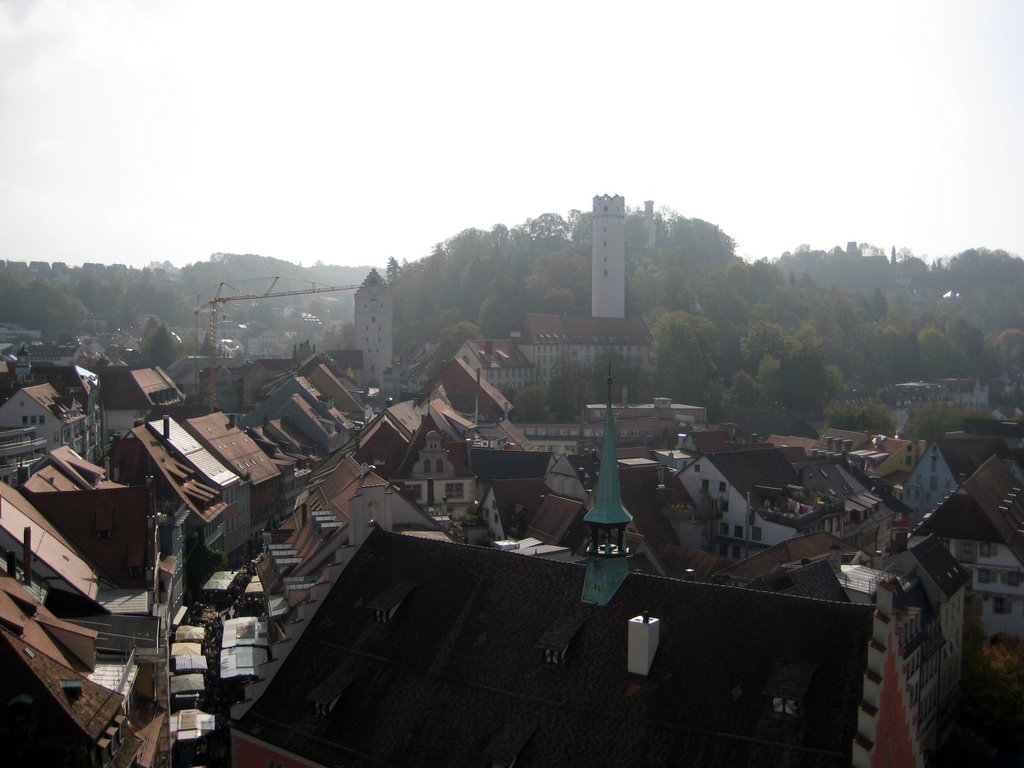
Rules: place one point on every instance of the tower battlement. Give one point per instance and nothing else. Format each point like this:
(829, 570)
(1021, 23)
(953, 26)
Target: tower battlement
(610, 205)
(608, 265)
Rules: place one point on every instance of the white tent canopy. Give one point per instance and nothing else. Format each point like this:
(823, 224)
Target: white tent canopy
(189, 683)
(189, 634)
(220, 581)
(190, 663)
(247, 630)
(186, 649)
(191, 724)
(241, 661)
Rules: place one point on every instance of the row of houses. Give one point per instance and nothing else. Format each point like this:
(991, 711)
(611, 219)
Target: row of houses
(368, 532)
(841, 657)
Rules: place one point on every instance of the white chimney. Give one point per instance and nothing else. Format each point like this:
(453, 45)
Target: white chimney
(643, 643)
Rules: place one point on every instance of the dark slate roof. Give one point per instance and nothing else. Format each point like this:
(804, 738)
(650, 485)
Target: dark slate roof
(965, 455)
(640, 496)
(940, 565)
(1008, 430)
(959, 517)
(458, 669)
(346, 358)
(812, 546)
(517, 499)
(763, 423)
(491, 464)
(815, 579)
(559, 521)
(990, 507)
(764, 467)
(681, 562)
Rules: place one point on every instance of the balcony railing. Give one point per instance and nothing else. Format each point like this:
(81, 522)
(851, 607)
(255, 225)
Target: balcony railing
(21, 447)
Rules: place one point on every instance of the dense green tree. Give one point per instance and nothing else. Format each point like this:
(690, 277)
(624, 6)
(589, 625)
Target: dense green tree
(805, 380)
(993, 700)
(567, 390)
(40, 305)
(769, 381)
(928, 422)
(531, 404)
(764, 338)
(448, 343)
(743, 393)
(1010, 349)
(896, 354)
(159, 348)
(393, 270)
(862, 417)
(684, 352)
(968, 342)
(936, 354)
(201, 563)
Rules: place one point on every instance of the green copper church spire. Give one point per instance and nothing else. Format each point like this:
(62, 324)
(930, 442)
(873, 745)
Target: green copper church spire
(606, 553)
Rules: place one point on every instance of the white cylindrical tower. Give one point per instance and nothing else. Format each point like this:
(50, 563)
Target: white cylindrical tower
(608, 270)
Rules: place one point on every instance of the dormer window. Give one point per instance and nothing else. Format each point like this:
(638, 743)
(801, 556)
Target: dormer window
(326, 695)
(386, 604)
(787, 687)
(554, 643)
(785, 707)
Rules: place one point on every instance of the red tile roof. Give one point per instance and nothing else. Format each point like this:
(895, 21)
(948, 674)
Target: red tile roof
(122, 511)
(236, 449)
(581, 329)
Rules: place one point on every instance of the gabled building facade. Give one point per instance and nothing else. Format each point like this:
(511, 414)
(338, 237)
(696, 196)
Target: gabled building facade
(129, 395)
(981, 524)
(234, 449)
(303, 408)
(742, 493)
(500, 362)
(55, 714)
(943, 465)
(546, 339)
(61, 420)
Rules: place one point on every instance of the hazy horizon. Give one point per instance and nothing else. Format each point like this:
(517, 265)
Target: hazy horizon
(167, 131)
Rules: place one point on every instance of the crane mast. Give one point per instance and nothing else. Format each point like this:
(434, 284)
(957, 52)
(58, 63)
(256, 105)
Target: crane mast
(213, 305)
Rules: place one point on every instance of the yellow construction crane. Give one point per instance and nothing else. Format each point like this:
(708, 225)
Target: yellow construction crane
(213, 304)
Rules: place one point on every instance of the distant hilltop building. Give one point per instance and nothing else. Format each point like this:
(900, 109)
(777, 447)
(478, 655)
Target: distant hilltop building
(375, 324)
(608, 270)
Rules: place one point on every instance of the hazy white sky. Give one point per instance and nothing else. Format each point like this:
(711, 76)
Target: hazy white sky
(134, 131)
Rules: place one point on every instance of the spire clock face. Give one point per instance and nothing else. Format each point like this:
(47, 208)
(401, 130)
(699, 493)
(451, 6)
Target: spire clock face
(373, 293)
